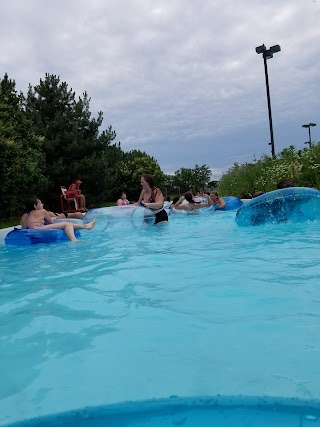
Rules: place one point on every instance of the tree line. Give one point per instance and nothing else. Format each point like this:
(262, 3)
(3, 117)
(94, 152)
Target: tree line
(49, 138)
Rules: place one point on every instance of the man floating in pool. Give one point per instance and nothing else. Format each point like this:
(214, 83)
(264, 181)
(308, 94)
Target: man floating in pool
(39, 218)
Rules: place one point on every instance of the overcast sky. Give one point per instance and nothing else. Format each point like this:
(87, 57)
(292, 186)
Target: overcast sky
(179, 79)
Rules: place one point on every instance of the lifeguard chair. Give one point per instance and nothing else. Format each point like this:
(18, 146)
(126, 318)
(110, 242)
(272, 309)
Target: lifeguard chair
(66, 200)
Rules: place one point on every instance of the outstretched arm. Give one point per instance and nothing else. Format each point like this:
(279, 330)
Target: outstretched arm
(47, 217)
(205, 205)
(221, 203)
(140, 199)
(178, 205)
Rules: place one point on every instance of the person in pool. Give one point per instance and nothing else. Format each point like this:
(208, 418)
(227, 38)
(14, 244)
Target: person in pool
(191, 207)
(174, 201)
(39, 218)
(123, 201)
(54, 216)
(152, 198)
(284, 183)
(257, 194)
(216, 200)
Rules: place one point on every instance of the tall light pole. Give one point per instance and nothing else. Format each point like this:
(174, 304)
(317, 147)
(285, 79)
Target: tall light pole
(267, 54)
(309, 126)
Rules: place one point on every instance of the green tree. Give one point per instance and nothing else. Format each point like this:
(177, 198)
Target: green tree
(73, 147)
(21, 160)
(183, 179)
(134, 164)
(192, 179)
(201, 176)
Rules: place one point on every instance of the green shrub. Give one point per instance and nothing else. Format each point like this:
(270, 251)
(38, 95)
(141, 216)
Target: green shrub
(301, 166)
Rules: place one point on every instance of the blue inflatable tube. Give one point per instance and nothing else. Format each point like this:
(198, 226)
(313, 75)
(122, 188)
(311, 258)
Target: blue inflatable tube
(120, 217)
(295, 204)
(236, 411)
(232, 203)
(26, 237)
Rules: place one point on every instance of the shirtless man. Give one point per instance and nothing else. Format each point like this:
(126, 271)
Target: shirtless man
(39, 218)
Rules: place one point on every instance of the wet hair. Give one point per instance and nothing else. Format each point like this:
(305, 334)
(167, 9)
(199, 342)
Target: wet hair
(284, 183)
(168, 199)
(257, 194)
(122, 193)
(189, 196)
(31, 203)
(175, 199)
(149, 179)
(215, 193)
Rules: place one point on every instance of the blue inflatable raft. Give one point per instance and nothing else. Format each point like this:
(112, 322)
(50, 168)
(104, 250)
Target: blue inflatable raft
(295, 204)
(232, 203)
(25, 236)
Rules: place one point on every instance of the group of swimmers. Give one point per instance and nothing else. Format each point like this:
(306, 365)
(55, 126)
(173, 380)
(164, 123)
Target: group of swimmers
(192, 204)
(150, 197)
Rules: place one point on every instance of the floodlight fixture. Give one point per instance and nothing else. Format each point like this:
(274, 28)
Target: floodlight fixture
(268, 54)
(308, 127)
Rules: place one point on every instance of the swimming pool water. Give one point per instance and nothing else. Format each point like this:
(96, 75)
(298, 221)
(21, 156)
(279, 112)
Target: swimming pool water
(196, 307)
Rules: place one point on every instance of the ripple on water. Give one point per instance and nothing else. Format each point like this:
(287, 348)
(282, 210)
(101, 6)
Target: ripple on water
(196, 307)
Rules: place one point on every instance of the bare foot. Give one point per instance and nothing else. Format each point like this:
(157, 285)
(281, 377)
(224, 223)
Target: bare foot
(90, 225)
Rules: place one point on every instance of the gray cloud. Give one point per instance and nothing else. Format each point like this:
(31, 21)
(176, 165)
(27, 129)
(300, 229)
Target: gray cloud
(179, 79)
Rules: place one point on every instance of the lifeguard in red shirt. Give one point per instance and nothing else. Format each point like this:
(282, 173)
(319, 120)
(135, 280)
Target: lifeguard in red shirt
(74, 190)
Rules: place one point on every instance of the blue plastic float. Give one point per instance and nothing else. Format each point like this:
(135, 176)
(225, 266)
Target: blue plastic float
(232, 203)
(294, 204)
(189, 412)
(25, 236)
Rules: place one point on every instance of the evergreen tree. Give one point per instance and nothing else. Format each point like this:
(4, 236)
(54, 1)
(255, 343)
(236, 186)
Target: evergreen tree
(73, 147)
(21, 160)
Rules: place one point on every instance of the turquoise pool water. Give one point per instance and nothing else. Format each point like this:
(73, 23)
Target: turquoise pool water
(197, 307)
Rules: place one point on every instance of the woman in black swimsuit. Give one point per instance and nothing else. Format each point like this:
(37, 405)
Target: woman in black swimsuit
(152, 198)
